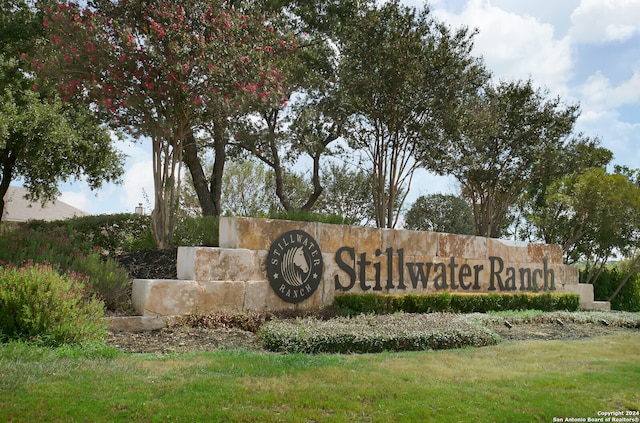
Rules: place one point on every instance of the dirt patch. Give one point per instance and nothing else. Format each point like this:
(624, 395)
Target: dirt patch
(552, 331)
(184, 339)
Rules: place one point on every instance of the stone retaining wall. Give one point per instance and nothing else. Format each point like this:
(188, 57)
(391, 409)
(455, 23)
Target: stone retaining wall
(235, 276)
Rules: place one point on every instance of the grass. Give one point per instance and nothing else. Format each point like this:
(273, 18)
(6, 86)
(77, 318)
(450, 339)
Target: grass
(512, 382)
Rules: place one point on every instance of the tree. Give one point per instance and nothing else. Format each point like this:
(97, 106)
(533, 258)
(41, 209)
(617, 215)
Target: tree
(347, 193)
(247, 189)
(402, 74)
(306, 127)
(440, 213)
(501, 143)
(558, 160)
(593, 215)
(43, 141)
(162, 71)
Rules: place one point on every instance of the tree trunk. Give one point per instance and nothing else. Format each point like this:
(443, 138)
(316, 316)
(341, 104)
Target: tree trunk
(317, 186)
(8, 162)
(200, 184)
(220, 142)
(167, 160)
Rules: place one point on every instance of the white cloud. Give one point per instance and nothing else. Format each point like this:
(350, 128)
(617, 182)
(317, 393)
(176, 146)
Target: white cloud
(599, 94)
(619, 137)
(516, 46)
(137, 182)
(600, 21)
(79, 200)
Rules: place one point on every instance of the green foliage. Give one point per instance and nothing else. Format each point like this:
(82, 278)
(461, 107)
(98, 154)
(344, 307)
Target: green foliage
(507, 134)
(347, 193)
(53, 245)
(398, 66)
(591, 227)
(118, 233)
(197, 231)
(457, 303)
(250, 321)
(112, 233)
(43, 141)
(68, 245)
(628, 299)
(38, 303)
(371, 334)
(108, 280)
(440, 213)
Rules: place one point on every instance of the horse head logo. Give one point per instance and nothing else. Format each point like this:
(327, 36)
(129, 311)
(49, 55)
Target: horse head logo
(295, 266)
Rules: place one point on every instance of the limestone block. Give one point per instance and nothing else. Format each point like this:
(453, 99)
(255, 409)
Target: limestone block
(539, 252)
(259, 296)
(333, 237)
(257, 234)
(585, 291)
(186, 263)
(571, 274)
(194, 263)
(466, 277)
(509, 251)
(240, 264)
(222, 296)
(139, 293)
(214, 264)
(598, 305)
(565, 274)
(327, 288)
(463, 246)
(164, 297)
(180, 297)
(480, 276)
(412, 242)
(314, 302)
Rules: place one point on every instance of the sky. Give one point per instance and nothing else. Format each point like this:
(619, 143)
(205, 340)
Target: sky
(584, 51)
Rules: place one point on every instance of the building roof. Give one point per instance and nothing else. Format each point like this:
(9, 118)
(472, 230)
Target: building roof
(18, 209)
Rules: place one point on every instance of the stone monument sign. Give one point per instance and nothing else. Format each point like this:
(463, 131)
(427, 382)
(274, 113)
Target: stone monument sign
(264, 264)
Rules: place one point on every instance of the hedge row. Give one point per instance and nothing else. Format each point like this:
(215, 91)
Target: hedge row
(455, 303)
(373, 334)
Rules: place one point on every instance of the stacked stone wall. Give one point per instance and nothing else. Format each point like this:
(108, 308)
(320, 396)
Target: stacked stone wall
(235, 275)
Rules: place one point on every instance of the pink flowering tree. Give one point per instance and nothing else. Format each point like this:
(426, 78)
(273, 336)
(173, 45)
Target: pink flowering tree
(161, 70)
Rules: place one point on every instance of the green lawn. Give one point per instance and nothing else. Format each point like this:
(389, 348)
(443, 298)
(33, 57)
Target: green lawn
(516, 381)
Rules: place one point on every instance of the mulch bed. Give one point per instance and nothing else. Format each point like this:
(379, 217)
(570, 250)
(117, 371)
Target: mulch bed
(150, 264)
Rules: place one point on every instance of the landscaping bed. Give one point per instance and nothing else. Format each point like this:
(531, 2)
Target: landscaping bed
(215, 331)
(551, 326)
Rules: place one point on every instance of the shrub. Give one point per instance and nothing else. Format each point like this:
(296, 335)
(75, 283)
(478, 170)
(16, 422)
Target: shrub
(113, 233)
(628, 299)
(250, 321)
(48, 242)
(108, 279)
(350, 304)
(53, 246)
(197, 231)
(38, 303)
(370, 334)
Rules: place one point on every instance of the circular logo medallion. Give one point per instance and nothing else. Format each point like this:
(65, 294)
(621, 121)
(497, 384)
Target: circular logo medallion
(294, 266)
